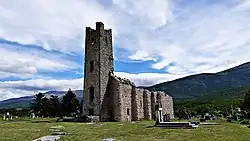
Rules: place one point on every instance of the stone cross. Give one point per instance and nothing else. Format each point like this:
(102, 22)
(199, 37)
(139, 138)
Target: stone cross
(4, 117)
(159, 115)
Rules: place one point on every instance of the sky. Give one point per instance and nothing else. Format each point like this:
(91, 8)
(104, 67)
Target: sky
(42, 41)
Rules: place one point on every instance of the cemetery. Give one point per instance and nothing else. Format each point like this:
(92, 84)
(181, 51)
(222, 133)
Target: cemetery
(115, 109)
(30, 128)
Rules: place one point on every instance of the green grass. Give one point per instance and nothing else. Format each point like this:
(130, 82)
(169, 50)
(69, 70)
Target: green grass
(29, 130)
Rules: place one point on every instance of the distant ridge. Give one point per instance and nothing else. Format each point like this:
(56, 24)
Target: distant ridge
(203, 85)
(23, 102)
(197, 85)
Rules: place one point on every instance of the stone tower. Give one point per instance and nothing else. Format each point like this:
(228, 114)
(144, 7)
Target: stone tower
(97, 67)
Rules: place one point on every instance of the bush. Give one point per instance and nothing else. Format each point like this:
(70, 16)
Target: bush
(245, 122)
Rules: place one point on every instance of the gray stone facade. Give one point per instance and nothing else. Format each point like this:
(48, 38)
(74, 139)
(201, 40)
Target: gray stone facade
(108, 96)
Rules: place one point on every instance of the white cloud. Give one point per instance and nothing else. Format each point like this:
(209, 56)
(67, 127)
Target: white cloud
(147, 79)
(55, 25)
(195, 39)
(182, 34)
(24, 62)
(199, 39)
(141, 55)
(14, 89)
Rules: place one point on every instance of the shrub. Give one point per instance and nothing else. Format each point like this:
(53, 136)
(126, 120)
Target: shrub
(245, 122)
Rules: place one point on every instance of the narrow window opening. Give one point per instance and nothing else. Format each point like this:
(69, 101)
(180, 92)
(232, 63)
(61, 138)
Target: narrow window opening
(93, 41)
(91, 66)
(128, 112)
(91, 94)
(91, 112)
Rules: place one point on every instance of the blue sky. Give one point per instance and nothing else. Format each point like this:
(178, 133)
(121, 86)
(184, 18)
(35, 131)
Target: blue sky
(42, 41)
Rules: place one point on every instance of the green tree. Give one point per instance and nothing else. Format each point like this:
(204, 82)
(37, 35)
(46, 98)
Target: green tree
(246, 102)
(37, 105)
(55, 106)
(70, 104)
(46, 107)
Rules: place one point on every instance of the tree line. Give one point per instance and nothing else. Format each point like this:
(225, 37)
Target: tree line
(222, 107)
(53, 106)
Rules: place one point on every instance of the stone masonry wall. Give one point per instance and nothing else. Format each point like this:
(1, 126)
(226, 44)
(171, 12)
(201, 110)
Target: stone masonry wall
(153, 103)
(114, 98)
(98, 50)
(167, 104)
(91, 79)
(106, 60)
(139, 104)
(118, 106)
(126, 102)
(108, 104)
(147, 105)
(122, 91)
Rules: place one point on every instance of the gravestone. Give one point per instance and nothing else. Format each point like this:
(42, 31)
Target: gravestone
(32, 115)
(166, 118)
(207, 116)
(7, 115)
(48, 138)
(108, 139)
(202, 120)
(158, 113)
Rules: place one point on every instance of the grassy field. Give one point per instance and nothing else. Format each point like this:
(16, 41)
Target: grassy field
(141, 131)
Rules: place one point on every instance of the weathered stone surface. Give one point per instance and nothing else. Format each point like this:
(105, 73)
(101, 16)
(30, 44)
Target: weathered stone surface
(109, 139)
(48, 138)
(114, 98)
(153, 103)
(56, 127)
(147, 104)
(59, 133)
(126, 104)
(167, 104)
(139, 104)
(98, 65)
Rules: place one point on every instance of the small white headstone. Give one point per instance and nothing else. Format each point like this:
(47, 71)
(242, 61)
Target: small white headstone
(56, 127)
(108, 139)
(48, 138)
(33, 115)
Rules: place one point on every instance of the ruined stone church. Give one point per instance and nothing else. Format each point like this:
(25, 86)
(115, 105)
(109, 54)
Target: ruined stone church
(109, 97)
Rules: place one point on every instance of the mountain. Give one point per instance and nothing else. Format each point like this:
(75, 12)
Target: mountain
(23, 102)
(206, 83)
(228, 84)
